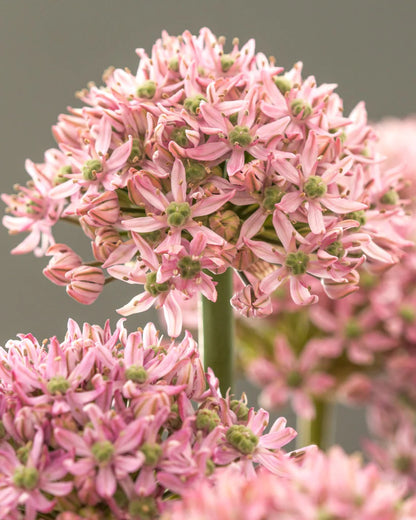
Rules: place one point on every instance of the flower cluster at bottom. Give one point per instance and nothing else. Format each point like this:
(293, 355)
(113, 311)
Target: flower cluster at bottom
(331, 486)
(108, 424)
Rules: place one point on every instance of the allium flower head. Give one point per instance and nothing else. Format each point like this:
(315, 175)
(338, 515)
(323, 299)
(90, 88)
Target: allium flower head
(117, 424)
(206, 160)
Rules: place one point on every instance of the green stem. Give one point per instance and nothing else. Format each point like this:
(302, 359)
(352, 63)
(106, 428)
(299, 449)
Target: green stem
(216, 331)
(318, 430)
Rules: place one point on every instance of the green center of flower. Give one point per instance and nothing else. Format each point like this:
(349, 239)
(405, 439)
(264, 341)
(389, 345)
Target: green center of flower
(297, 262)
(336, 249)
(272, 195)
(136, 373)
(353, 329)
(91, 168)
(152, 453)
(136, 153)
(240, 409)
(227, 61)
(207, 419)
(242, 439)
(143, 508)
(192, 103)
(178, 213)
(58, 385)
(195, 172)
(391, 197)
(314, 187)
(174, 64)
(408, 313)
(294, 379)
(282, 83)
(146, 90)
(178, 135)
(240, 135)
(102, 451)
(26, 478)
(300, 107)
(188, 267)
(359, 216)
(154, 288)
(61, 176)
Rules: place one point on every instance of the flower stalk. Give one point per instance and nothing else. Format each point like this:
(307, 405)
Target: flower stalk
(216, 331)
(319, 430)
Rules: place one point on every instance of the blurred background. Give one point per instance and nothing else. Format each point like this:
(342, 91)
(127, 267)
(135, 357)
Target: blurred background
(49, 49)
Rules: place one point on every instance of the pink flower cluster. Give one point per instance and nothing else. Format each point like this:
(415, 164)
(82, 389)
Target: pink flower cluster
(332, 486)
(116, 424)
(206, 160)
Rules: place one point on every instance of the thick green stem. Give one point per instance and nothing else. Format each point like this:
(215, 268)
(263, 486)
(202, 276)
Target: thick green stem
(318, 430)
(216, 331)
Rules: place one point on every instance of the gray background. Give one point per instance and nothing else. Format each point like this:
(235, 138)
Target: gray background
(51, 48)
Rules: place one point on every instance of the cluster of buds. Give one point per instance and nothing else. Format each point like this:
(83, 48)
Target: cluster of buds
(108, 424)
(332, 486)
(203, 161)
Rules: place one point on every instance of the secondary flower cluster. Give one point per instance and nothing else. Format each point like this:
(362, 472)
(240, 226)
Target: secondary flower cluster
(110, 424)
(206, 160)
(332, 486)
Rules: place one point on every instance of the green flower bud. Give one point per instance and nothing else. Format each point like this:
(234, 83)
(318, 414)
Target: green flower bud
(91, 168)
(359, 216)
(61, 176)
(391, 197)
(226, 224)
(233, 118)
(137, 150)
(272, 195)
(26, 478)
(191, 104)
(178, 135)
(240, 409)
(102, 451)
(242, 439)
(207, 419)
(240, 135)
(152, 453)
(178, 213)
(227, 61)
(58, 385)
(297, 262)
(294, 379)
(210, 467)
(353, 329)
(136, 373)
(301, 107)
(408, 313)
(282, 83)
(188, 267)
(336, 249)
(174, 64)
(24, 451)
(195, 172)
(143, 508)
(154, 288)
(146, 90)
(403, 464)
(314, 187)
